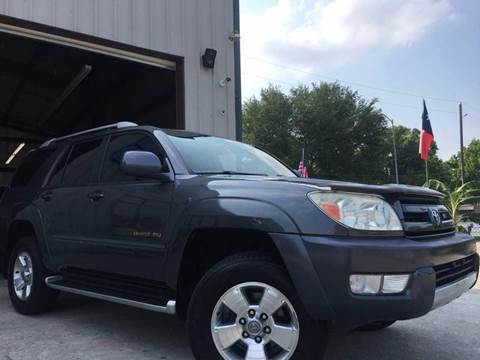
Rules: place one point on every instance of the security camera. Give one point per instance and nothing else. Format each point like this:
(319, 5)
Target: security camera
(223, 82)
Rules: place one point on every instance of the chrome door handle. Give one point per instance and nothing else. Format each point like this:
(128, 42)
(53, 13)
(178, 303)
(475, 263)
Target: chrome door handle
(47, 196)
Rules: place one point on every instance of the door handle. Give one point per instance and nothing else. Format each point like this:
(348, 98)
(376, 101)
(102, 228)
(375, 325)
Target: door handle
(47, 196)
(96, 196)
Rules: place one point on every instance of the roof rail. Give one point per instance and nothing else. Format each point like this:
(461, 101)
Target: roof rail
(118, 125)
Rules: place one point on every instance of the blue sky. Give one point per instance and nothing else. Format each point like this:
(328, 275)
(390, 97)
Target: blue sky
(398, 51)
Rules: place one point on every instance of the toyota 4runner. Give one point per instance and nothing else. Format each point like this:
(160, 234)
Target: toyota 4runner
(260, 262)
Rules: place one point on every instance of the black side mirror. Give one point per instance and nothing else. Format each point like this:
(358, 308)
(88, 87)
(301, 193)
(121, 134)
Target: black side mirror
(144, 164)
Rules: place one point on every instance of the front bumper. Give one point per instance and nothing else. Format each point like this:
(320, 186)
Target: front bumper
(448, 293)
(334, 259)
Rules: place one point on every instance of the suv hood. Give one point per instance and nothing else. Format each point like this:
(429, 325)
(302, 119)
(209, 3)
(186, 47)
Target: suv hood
(388, 190)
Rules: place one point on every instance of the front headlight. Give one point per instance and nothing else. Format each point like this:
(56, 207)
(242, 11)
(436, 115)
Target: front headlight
(357, 211)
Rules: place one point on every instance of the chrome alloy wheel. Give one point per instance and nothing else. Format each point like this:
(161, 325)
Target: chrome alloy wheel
(23, 276)
(255, 321)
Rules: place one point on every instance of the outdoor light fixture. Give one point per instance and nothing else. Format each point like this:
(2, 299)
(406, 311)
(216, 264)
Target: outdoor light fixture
(209, 57)
(377, 284)
(15, 152)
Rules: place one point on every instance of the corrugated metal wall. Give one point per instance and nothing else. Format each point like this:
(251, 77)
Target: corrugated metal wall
(180, 27)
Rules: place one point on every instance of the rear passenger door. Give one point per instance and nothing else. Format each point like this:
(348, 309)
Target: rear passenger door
(69, 202)
(132, 216)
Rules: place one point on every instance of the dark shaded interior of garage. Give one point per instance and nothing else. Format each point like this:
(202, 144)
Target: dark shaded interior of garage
(48, 90)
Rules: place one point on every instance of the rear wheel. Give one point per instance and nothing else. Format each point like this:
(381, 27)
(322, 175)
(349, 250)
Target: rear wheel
(26, 279)
(376, 326)
(246, 308)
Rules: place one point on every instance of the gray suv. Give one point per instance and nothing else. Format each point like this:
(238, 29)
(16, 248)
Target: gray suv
(260, 262)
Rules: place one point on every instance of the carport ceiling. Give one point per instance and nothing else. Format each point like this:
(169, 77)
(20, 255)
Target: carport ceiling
(50, 90)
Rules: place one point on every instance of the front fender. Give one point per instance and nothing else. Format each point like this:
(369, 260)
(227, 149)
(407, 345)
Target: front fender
(223, 213)
(240, 213)
(303, 274)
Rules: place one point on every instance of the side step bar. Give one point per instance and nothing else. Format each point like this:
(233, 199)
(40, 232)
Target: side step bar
(55, 282)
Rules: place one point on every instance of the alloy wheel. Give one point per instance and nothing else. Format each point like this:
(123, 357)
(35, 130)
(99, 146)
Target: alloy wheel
(255, 321)
(23, 276)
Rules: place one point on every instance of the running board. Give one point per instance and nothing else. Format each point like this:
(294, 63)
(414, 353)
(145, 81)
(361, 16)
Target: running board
(55, 282)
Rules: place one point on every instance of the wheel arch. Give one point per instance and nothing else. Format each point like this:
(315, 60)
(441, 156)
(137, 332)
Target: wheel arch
(207, 247)
(26, 223)
(17, 230)
(225, 213)
(239, 225)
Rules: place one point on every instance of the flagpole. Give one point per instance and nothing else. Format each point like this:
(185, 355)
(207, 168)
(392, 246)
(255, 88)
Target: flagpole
(426, 170)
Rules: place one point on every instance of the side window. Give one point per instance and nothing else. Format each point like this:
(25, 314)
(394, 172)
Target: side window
(32, 164)
(57, 172)
(118, 145)
(82, 163)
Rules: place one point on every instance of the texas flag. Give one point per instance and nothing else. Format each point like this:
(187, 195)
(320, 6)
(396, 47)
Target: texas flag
(426, 137)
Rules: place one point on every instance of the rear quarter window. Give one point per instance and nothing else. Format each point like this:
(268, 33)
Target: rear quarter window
(82, 164)
(31, 167)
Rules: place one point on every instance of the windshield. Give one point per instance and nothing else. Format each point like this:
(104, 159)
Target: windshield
(213, 155)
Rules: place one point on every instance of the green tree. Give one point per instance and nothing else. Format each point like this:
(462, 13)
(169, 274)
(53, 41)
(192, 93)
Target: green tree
(411, 168)
(472, 164)
(342, 133)
(267, 123)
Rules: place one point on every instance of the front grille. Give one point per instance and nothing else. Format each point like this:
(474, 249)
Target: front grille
(455, 270)
(418, 220)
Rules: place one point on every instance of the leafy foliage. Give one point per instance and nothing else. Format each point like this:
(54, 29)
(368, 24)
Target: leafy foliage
(267, 123)
(343, 134)
(411, 168)
(472, 163)
(454, 197)
(345, 137)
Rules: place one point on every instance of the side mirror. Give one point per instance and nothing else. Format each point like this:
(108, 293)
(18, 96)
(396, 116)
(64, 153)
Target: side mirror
(144, 164)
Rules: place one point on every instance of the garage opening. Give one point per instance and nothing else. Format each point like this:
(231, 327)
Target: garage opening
(51, 86)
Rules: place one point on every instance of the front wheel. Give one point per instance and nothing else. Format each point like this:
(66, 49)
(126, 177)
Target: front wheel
(245, 307)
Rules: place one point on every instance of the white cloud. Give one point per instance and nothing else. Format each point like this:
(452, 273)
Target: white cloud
(307, 34)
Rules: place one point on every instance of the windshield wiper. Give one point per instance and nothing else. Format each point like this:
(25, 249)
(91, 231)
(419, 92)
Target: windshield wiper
(228, 173)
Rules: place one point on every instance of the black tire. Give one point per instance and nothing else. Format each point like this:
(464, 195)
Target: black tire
(41, 298)
(235, 270)
(376, 326)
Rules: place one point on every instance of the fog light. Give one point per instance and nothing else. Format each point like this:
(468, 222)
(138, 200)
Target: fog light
(365, 284)
(378, 284)
(394, 284)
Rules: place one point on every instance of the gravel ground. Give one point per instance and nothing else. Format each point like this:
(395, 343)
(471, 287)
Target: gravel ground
(87, 329)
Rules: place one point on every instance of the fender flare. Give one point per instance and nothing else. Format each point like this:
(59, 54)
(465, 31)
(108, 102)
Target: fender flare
(32, 216)
(252, 214)
(222, 213)
(303, 275)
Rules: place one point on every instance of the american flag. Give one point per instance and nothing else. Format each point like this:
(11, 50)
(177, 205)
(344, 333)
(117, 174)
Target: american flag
(302, 168)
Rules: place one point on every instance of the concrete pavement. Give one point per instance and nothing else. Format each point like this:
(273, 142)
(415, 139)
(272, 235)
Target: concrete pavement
(87, 329)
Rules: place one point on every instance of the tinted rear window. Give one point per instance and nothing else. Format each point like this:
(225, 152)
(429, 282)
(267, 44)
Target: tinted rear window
(31, 166)
(82, 164)
(57, 172)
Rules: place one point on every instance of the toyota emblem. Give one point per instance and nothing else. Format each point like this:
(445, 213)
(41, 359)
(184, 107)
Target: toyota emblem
(435, 217)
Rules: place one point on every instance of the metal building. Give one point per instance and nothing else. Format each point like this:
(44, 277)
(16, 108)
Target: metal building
(67, 65)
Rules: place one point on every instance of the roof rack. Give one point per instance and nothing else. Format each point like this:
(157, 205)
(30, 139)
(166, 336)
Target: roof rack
(118, 125)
